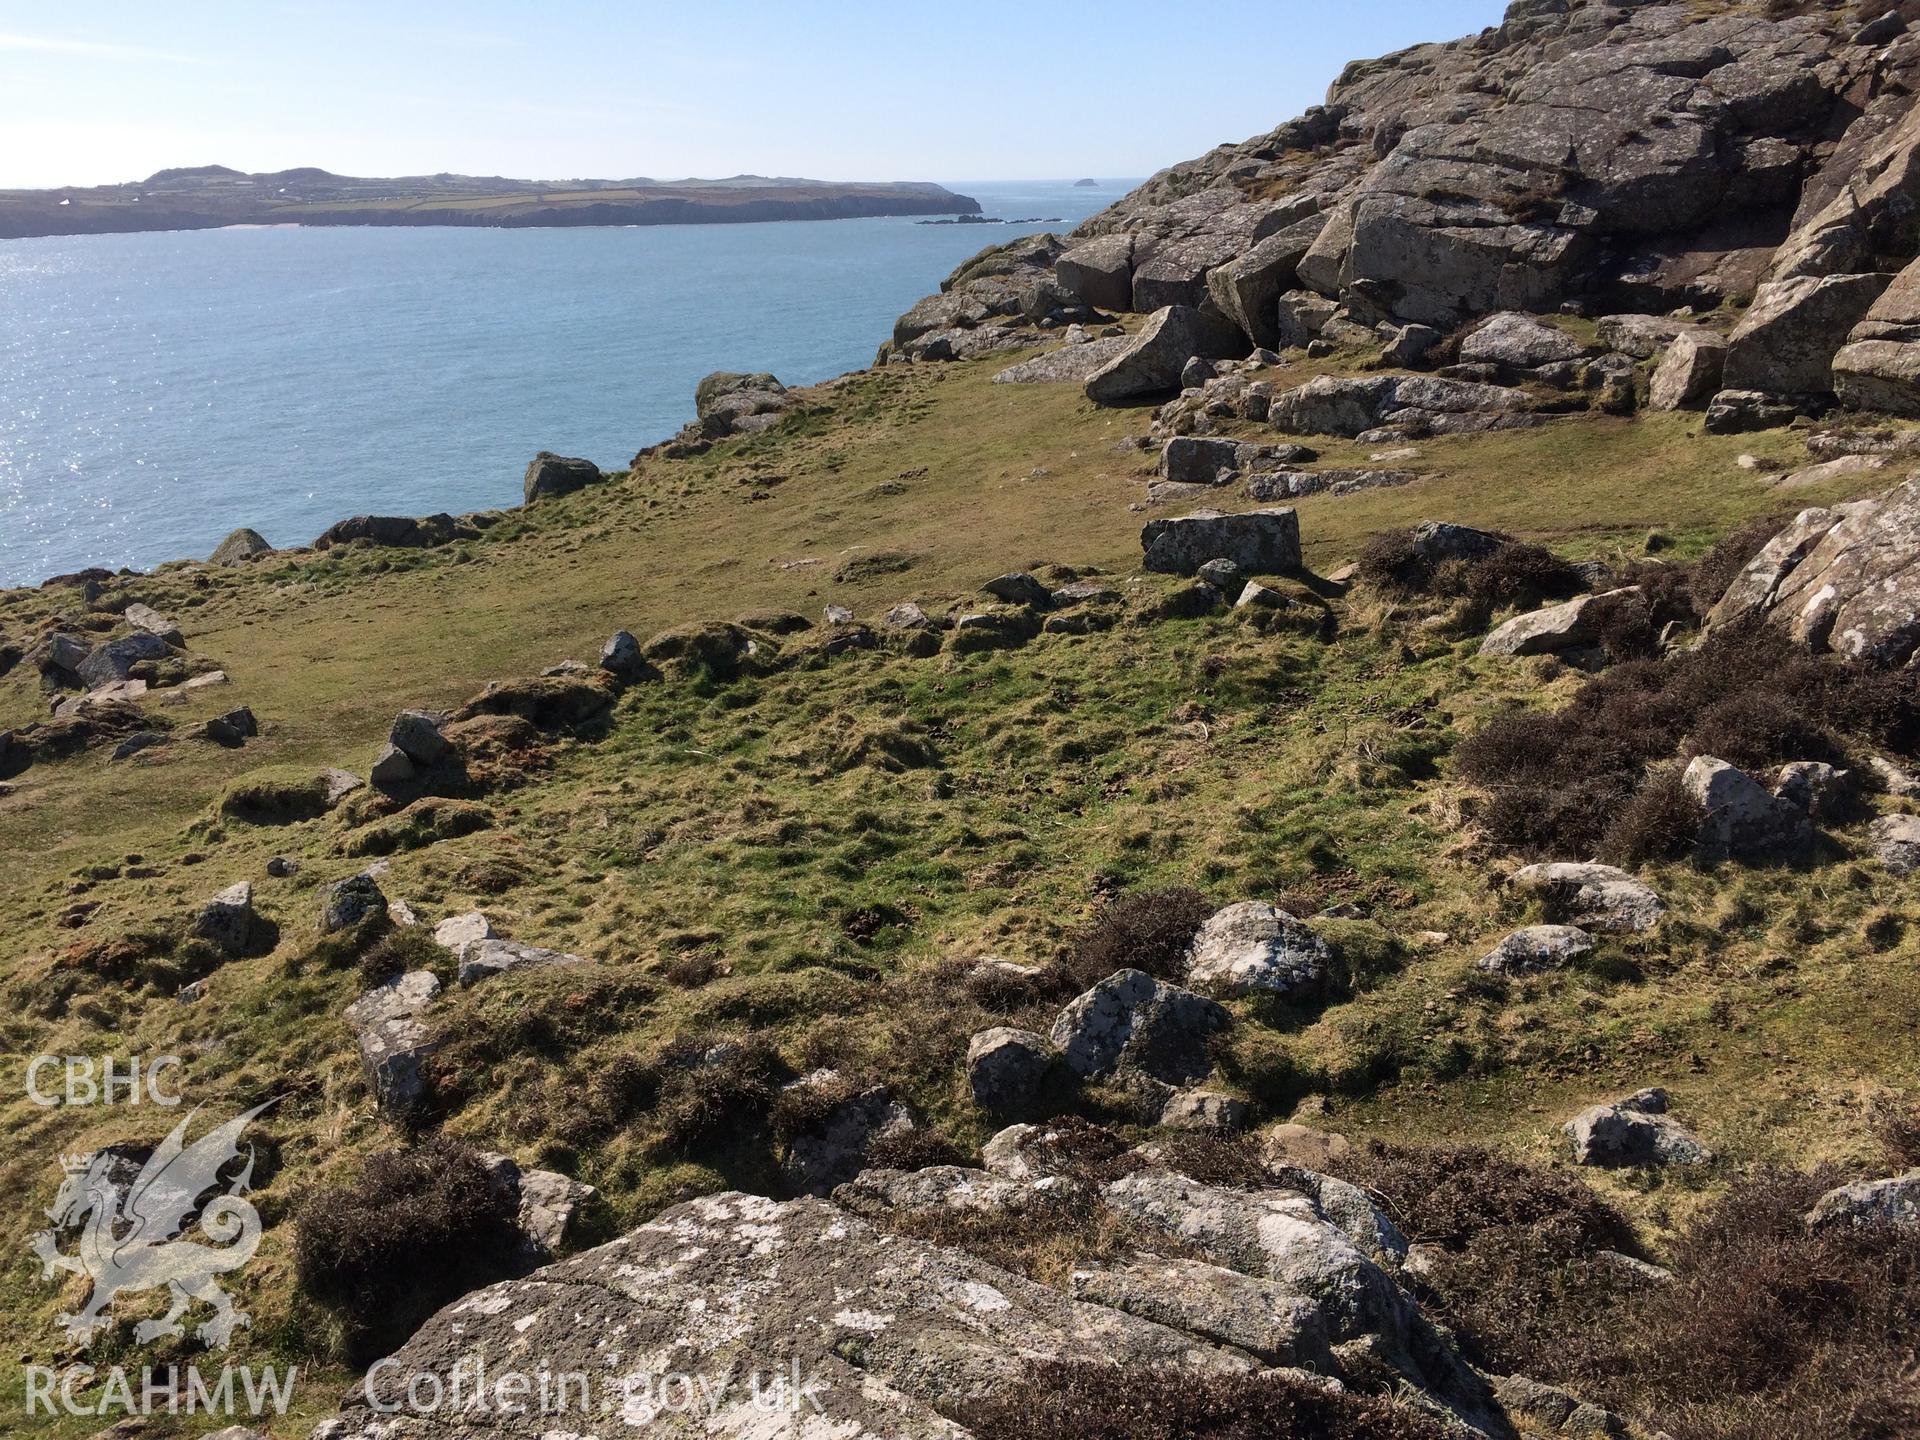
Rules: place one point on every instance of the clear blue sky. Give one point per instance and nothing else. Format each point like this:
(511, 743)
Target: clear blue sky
(112, 90)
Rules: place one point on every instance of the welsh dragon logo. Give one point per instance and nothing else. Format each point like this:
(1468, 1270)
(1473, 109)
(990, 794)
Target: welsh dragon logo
(130, 1231)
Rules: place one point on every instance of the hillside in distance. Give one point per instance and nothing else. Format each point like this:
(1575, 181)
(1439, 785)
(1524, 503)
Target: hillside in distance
(205, 197)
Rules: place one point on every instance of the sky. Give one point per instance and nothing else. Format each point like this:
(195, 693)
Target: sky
(113, 90)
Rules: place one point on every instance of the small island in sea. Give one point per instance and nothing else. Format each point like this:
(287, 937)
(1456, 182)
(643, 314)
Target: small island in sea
(206, 197)
(1086, 184)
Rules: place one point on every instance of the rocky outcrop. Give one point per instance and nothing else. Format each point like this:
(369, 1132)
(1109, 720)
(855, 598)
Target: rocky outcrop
(893, 1336)
(551, 474)
(735, 404)
(1152, 363)
(1845, 580)
(401, 532)
(239, 547)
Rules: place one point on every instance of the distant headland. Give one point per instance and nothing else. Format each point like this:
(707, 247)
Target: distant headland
(209, 196)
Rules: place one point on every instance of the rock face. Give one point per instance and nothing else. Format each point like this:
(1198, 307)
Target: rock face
(1786, 342)
(1153, 362)
(1100, 272)
(1877, 369)
(1631, 1132)
(551, 474)
(1256, 948)
(832, 1150)
(1260, 542)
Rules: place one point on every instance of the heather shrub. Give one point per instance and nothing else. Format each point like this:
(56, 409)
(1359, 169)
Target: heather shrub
(415, 1229)
(1104, 1402)
(1148, 930)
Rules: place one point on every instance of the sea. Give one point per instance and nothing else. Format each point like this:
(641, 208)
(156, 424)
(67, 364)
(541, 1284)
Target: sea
(159, 391)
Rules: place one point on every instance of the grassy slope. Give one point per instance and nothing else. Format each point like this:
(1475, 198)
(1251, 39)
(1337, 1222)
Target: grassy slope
(745, 823)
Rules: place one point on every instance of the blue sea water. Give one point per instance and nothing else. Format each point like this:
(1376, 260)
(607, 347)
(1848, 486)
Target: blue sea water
(158, 391)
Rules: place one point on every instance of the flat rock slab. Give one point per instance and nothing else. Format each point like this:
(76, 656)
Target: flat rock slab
(734, 1285)
(1070, 364)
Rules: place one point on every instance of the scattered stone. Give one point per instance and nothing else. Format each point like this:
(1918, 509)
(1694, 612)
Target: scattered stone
(1255, 596)
(1633, 1132)
(1537, 948)
(1018, 588)
(346, 903)
(145, 618)
(416, 734)
(460, 932)
(228, 920)
(1743, 821)
(394, 1040)
(135, 743)
(1896, 841)
(484, 959)
(620, 657)
(832, 1150)
(1256, 948)
(1741, 412)
(545, 1203)
(391, 768)
(1869, 1204)
(1223, 575)
(1260, 542)
(1813, 786)
(1518, 341)
(1134, 1022)
(1593, 897)
(339, 784)
(1893, 779)
(1293, 1144)
(114, 660)
(1556, 628)
(1204, 1110)
(280, 867)
(1007, 1068)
